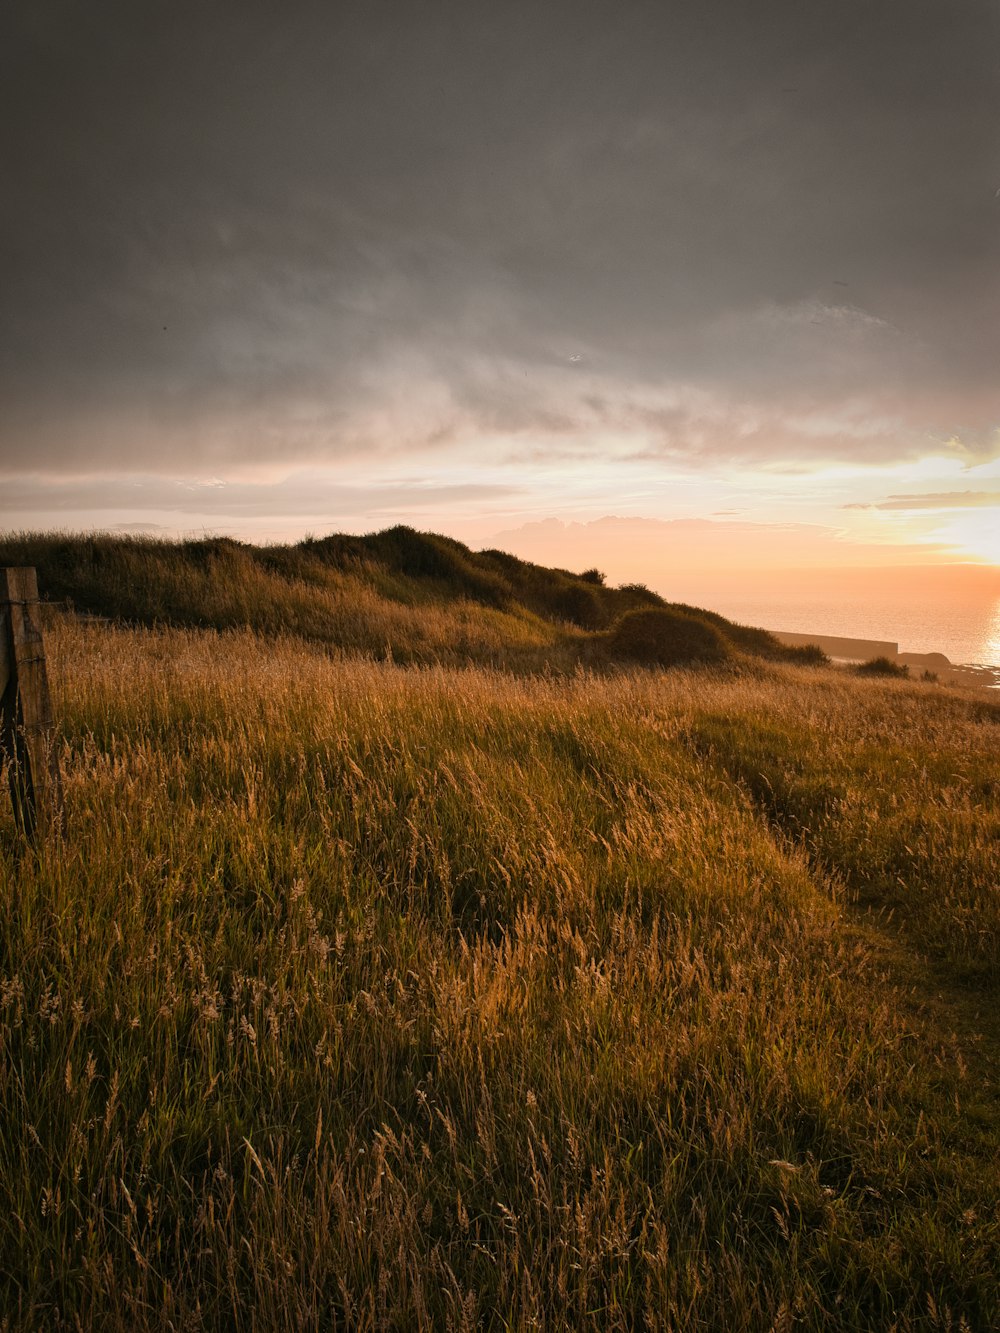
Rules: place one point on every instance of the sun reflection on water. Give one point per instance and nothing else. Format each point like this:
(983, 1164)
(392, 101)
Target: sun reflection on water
(993, 635)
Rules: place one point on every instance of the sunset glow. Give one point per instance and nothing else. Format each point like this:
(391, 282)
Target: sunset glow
(976, 535)
(473, 282)
(500, 666)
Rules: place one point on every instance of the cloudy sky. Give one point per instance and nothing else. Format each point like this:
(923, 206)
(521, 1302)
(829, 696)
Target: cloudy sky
(270, 269)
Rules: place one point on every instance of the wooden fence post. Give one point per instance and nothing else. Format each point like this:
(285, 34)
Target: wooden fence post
(27, 735)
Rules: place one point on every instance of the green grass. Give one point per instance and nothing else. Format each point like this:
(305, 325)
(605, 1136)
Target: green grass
(367, 996)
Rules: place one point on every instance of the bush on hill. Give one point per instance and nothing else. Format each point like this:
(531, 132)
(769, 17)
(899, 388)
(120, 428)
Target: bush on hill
(661, 636)
(597, 576)
(555, 594)
(805, 654)
(757, 642)
(576, 603)
(425, 555)
(883, 666)
(636, 595)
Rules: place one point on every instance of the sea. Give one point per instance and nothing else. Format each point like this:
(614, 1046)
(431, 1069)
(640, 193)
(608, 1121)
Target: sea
(966, 630)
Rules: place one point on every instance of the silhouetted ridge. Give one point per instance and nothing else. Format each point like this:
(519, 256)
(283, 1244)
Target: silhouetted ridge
(415, 596)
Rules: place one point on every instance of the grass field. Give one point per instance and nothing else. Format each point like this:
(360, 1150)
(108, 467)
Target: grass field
(366, 996)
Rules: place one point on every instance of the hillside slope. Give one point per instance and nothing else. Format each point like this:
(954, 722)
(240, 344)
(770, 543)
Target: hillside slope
(411, 596)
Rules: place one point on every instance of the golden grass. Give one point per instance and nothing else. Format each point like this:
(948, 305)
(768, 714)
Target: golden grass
(362, 996)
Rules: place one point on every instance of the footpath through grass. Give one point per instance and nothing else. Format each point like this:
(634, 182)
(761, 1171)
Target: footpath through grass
(369, 997)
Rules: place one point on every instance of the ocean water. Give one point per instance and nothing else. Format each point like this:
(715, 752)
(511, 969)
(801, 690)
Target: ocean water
(965, 629)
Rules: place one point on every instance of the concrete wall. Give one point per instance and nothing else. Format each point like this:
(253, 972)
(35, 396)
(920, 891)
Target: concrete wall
(848, 650)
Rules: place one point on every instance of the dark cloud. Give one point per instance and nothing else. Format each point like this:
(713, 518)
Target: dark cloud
(289, 234)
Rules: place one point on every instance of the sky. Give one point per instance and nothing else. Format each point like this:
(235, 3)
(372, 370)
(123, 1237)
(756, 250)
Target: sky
(695, 275)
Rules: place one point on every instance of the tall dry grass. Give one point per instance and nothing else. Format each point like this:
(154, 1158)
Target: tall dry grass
(361, 996)
(221, 584)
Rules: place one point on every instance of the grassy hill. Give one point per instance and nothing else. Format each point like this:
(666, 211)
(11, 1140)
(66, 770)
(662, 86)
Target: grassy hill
(363, 995)
(412, 596)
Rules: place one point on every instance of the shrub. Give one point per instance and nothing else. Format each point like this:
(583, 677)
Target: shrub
(597, 576)
(633, 596)
(426, 555)
(883, 666)
(656, 636)
(576, 602)
(805, 654)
